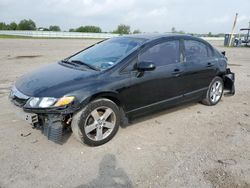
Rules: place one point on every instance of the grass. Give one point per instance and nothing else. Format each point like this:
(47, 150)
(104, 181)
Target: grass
(2, 36)
(12, 37)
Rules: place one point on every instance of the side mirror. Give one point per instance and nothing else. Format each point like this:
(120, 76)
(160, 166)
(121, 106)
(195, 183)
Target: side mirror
(223, 53)
(145, 66)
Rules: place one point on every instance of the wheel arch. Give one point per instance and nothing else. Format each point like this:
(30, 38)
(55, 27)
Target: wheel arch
(113, 96)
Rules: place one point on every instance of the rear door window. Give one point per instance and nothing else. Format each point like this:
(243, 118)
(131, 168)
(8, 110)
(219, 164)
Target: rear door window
(196, 51)
(162, 54)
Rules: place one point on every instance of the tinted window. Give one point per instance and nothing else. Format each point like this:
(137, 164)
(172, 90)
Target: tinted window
(106, 54)
(195, 50)
(162, 54)
(130, 66)
(209, 51)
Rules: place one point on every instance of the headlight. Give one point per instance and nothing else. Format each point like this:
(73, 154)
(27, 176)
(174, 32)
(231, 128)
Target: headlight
(46, 102)
(64, 101)
(33, 101)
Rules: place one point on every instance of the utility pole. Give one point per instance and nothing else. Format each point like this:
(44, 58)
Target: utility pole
(248, 32)
(232, 33)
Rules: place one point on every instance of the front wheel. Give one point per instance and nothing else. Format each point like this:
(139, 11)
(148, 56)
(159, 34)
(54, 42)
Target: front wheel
(214, 92)
(97, 123)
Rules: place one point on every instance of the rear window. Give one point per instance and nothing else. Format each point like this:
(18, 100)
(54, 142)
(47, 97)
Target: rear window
(195, 50)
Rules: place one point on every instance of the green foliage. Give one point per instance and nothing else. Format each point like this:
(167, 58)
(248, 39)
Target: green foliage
(173, 30)
(54, 28)
(122, 29)
(137, 31)
(26, 25)
(13, 26)
(210, 34)
(181, 32)
(2, 26)
(14, 37)
(87, 29)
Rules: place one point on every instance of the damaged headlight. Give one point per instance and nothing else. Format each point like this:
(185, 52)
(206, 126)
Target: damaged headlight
(46, 102)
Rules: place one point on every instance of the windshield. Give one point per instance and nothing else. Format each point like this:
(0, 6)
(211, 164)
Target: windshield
(108, 53)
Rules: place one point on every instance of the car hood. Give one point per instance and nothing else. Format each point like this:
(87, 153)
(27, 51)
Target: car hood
(54, 80)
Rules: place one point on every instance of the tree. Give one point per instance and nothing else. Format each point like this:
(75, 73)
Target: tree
(173, 30)
(122, 29)
(181, 32)
(54, 28)
(2, 26)
(12, 26)
(26, 25)
(88, 29)
(137, 31)
(210, 34)
(71, 30)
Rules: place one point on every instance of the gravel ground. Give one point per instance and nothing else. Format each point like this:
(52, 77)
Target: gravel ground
(187, 146)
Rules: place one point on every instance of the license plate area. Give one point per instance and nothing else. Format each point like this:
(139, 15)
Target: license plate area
(31, 118)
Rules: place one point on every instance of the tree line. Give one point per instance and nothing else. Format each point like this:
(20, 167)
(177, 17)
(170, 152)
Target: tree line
(210, 34)
(121, 29)
(31, 25)
(26, 25)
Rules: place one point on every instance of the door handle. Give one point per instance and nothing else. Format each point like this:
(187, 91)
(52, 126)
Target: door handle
(177, 72)
(209, 64)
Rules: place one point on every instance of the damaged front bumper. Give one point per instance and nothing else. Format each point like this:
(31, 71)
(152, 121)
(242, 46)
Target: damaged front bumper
(51, 123)
(229, 79)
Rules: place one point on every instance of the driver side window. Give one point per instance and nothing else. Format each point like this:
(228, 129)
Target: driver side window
(131, 66)
(162, 54)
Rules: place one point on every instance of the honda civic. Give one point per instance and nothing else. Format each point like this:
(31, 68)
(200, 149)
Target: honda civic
(98, 89)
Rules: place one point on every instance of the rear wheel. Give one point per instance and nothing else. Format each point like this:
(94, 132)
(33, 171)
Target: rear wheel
(97, 123)
(214, 92)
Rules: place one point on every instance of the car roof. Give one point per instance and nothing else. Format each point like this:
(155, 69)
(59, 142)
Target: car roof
(153, 36)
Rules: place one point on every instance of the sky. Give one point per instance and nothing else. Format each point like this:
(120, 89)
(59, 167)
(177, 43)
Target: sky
(193, 16)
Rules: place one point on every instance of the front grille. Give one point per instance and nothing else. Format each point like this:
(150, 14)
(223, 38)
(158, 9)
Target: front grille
(17, 97)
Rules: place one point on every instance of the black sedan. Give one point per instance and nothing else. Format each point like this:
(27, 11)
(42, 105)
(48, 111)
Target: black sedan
(100, 88)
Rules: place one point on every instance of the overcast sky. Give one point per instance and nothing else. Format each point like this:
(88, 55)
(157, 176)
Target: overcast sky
(199, 16)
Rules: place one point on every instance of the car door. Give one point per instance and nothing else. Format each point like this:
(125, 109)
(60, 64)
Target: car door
(165, 83)
(200, 66)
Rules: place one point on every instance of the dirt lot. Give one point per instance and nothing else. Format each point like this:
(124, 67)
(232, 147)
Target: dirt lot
(188, 146)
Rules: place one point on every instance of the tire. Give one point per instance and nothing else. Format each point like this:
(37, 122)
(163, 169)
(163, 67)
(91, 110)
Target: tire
(97, 123)
(214, 92)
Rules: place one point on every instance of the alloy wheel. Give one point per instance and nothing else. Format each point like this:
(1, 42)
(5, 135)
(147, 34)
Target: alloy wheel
(216, 91)
(100, 123)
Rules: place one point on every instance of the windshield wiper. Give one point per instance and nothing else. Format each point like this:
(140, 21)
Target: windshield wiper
(68, 62)
(86, 64)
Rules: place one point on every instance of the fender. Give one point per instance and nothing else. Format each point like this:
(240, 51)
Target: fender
(112, 95)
